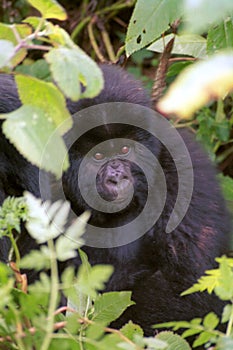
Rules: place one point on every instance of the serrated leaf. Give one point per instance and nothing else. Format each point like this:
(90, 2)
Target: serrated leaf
(93, 279)
(131, 329)
(67, 244)
(109, 306)
(150, 18)
(49, 9)
(30, 131)
(186, 44)
(198, 84)
(7, 33)
(174, 341)
(47, 97)
(224, 289)
(37, 259)
(71, 67)
(39, 223)
(199, 14)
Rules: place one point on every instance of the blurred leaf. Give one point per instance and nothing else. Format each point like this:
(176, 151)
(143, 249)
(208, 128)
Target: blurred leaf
(224, 289)
(38, 69)
(109, 306)
(198, 84)
(93, 278)
(150, 18)
(199, 14)
(220, 36)
(227, 312)
(186, 44)
(130, 330)
(71, 67)
(6, 52)
(225, 343)
(68, 243)
(49, 9)
(174, 341)
(37, 259)
(227, 186)
(202, 339)
(29, 130)
(211, 321)
(7, 34)
(46, 96)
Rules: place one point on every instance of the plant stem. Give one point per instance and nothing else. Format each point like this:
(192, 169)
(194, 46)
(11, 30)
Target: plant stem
(53, 297)
(230, 323)
(15, 249)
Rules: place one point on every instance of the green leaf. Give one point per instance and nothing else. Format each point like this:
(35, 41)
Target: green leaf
(203, 338)
(186, 44)
(7, 34)
(93, 279)
(225, 343)
(150, 18)
(174, 341)
(208, 283)
(71, 67)
(37, 259)
(39, 223)
(67, 244)
(221, 36)
(49, 9)
(224, 289)
(227, 312)
(109, 306)
(131, 329)
(155, 343)
(38, 69)
(47, 97)
(199, 14)
(29, 130)
(227, 186)
(6, 53)
(198, 84)
(211, 321)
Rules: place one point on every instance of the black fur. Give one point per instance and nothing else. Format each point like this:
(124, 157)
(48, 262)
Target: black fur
(158, 266)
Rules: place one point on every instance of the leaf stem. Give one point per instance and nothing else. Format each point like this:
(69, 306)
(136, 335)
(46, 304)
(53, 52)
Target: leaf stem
(53, 296)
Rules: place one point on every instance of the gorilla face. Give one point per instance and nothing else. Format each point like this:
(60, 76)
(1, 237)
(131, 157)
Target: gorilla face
(111, 182)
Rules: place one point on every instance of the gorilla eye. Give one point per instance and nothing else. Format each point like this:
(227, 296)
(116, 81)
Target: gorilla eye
(99, 156)
(125, 150)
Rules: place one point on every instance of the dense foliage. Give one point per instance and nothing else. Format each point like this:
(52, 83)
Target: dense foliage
(36, 45)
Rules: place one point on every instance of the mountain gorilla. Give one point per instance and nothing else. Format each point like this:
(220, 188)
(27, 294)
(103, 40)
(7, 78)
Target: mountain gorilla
(159, 265)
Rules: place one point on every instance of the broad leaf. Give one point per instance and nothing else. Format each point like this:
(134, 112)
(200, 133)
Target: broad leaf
(109, 306)
(46, 96)
(150, 18)
(7, 33)
(187, 44)
(174, 341)
(198, 84)
(71, 67)
(29, 130)
(198, 14)
(49, 9)
(221, 36)
(6, 53)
